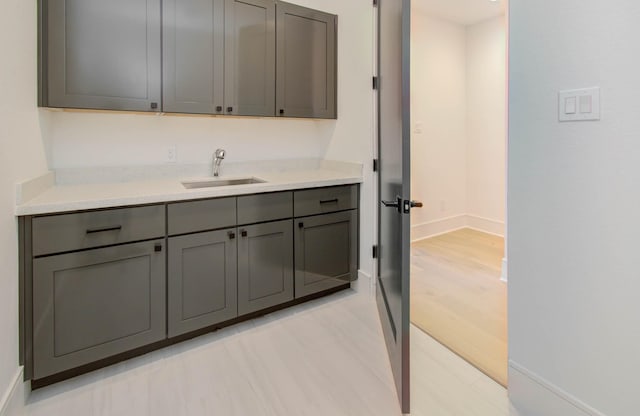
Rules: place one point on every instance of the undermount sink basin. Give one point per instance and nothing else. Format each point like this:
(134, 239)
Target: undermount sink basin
(213, 183)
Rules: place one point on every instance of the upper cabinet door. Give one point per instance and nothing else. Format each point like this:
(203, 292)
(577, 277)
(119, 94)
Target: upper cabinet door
(102, 54)
(306, 62)
(193, 56)
(250, 44)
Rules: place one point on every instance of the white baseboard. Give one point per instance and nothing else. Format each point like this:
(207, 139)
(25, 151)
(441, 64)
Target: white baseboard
(449, 224)
(364, 285)
(534, 396)
(437, 227)
(9, 396)
(505, 270)
(486, 225)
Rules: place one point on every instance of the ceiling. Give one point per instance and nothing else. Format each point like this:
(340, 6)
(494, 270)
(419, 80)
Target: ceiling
(465, 12)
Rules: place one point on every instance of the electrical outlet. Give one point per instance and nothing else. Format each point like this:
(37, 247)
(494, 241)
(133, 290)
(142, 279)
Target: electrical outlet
(172, 155)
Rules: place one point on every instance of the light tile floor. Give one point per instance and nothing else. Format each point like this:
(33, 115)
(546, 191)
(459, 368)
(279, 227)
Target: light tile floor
(324, 358)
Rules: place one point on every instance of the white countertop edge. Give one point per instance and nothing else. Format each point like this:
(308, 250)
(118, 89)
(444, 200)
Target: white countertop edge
(40, 205)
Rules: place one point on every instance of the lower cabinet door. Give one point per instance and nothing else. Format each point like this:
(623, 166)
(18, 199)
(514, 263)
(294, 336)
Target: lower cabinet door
(265, 265)
(325, 251)
(202, 280)
(94, 304)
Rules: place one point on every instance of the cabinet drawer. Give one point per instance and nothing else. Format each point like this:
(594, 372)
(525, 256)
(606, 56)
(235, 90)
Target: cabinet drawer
(265, 207)
(194, 216)
(68, 232)
(323, 200)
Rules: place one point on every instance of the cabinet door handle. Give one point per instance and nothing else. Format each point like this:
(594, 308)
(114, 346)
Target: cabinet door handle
(243, 233)
(300, 225)
(104, 229)
(232, 235)
(281, 111)
(158, 248)
(229, 109)
(219, 109)
(154, 106)
(329, 201)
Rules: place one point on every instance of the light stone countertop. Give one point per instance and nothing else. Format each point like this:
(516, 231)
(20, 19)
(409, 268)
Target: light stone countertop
(89, 188)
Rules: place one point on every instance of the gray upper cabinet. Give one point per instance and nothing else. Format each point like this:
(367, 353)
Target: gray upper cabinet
(101, 54)
(250, 50)
(325, 252)
(306, 62)
(193, 56)
(202, 288)
(265, 265)
(93, 304)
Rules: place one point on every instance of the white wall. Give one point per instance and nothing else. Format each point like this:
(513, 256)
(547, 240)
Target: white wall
(486, 118)
(458, 119)
(438, 107)
(22, 157)
(574, 205)
(110, 139)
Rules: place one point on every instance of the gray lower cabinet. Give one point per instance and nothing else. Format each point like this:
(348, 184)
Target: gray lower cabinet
(250, 50)
(325, 252)
(93, 304)
(265, 265)
(101, 54)
(306, 62)
(202, 288)
(193, 56)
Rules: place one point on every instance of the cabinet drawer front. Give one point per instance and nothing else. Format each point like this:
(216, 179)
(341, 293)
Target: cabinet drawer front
(324, 200)
(265, 207)
(68, 232)
(97, 303)
(194, 216)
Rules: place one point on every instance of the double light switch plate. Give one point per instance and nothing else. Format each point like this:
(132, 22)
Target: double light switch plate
(579, 105)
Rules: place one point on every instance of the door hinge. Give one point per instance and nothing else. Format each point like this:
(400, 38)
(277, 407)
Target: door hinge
(376, 83)
(375, 3)
(375, 165)
(375, 252)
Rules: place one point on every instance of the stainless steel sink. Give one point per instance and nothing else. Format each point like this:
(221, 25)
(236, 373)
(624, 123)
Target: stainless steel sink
(213, 183)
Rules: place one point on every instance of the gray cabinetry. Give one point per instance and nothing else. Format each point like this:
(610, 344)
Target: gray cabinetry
(193, 53)
(265, 207)
(306, 62)
(98, 286)
(204, 215)
(202, 288)
(265, 265)
(93, 304)
(325, 252)
(250, 48)
(101, 54)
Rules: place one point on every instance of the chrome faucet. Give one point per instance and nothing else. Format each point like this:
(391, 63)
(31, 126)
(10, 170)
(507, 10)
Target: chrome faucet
(218, 157)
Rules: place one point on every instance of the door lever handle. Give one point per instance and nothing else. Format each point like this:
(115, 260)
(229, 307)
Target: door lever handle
(397, 204)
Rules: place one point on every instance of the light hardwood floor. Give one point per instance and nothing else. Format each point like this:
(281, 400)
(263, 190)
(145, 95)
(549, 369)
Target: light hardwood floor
(323, 358)
(457, 296)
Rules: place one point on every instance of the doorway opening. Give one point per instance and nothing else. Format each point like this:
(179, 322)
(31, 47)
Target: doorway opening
(458, 167)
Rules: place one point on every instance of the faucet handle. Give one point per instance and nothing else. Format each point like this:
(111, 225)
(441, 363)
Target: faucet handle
(220, 154)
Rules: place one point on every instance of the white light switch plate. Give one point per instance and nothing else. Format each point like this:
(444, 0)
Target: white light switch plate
(579, 105)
